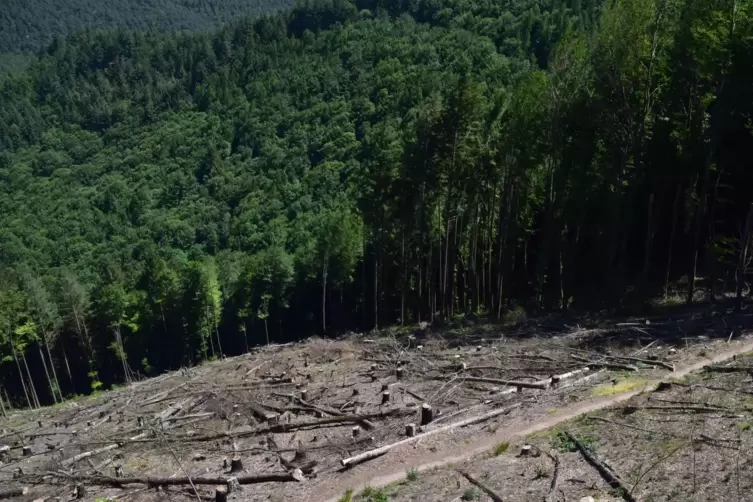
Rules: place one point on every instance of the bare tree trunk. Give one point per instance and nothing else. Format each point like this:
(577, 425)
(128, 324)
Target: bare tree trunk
(121, 349)
(32, 387)
(742, 261)
(671, 241)
(700, 217)
(376, 289)
(217, 334)
(67, 365)
(648, 242)
(47, 373)
(52, 366)
(404, 284)
(20, 372)
(325, 265)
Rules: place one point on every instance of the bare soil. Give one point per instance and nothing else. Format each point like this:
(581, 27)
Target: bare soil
(188, 423)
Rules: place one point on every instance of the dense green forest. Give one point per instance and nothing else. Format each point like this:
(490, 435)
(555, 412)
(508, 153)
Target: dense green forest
(169, 198)
(29, 25)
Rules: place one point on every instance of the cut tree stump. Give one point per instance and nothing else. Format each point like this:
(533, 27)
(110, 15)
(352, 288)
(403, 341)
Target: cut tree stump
(26, 451)
(220, 494)
(385, 397)
(236, 465)
(427, 414)
(410, 430)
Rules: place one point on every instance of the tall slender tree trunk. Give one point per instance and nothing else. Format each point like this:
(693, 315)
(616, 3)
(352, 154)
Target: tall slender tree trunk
(376, 288)
(700, 217)
(47, 373)
(325, 265)
(217, 334)
(404, 281)
(648, 241)
(52, 366)
(67, 365)
(32, 387)
(672, 233)
(18, 365)
(743, 260)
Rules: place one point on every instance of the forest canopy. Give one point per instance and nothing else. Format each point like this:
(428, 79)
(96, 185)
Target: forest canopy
(170, 197)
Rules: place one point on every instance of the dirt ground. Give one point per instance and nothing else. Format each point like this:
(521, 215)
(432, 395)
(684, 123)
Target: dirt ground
(295, 412)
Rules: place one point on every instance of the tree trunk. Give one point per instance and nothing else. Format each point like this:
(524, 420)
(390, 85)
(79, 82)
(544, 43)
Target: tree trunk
(325, 265)
(47, 373)
(67, 365)
(121, 350)
(32, 387)
(376, 288)
(648, 242)
(18, 364)
(742, 260)
(671, 240)
(697, 225)
(52, 367)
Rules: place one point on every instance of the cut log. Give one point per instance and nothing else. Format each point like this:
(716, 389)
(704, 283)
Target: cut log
(368, 455)
(605, 472)
(427, 414)
(366, 424)
(263, 413)
(508, 383)
(304, 395)
(296, 475)
(70, 461)
(492, 494)
(728, 369)
(14, 492)
(410, 430)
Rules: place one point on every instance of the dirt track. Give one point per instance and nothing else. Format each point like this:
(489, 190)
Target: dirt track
(398, 462)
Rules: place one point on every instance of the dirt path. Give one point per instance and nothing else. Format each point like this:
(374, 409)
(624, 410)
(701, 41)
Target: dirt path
(392, 467)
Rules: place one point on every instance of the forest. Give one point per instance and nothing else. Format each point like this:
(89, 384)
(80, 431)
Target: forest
(168, 198)
(29, 25)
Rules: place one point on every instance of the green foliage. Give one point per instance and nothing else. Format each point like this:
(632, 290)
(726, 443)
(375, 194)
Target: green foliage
(347, 496)
(564, 444)
(411, 475)
(370, 494)
(470, 493)
(500, 448)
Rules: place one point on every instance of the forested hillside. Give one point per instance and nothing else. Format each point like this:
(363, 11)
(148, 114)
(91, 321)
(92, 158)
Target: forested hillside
(170, 197)
(29, 25)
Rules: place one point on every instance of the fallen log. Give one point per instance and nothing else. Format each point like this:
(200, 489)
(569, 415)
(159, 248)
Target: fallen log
(492, 494)
(70, 461)
(14, 492)
(251, 479)
(604, 364)
(605, 473)
(509, 383)
(649, 362)
(552, 495)
(263, 412)
(331, 411)
(728, 369)
(368, 455)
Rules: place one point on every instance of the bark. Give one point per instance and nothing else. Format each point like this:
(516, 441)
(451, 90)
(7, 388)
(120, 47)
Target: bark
(243, 480)
(32, 387)
(47, 373)
(742, 260)
(368, 455)
(20, 372)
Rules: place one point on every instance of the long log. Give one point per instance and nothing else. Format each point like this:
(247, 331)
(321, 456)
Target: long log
(729, 369)
(649, 362)
(70, 461)
(368, 455)
(336, 413)
(509, 383)
(492, 494)
(14, 492)
(605, 473)
(251, 479)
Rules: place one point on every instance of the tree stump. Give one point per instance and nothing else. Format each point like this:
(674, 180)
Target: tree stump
(236, 465)
(410, 430)
(385, 386)
(26, 451)
(355, 392)
(224, 463)
(79, 491)
(102, 414)
(118, 471)
(663, 386)
(220, 494)
(39, 423)
(304, 395)
(140, 421)
(355, 431)
(427, 414)
(385, 397)
(399, 373)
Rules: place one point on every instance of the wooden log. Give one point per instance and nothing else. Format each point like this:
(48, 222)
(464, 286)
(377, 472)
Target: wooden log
(263, 412)
(14, 492)
(368, 455)
(509, 383)
(492, 494)
(251, 479)
(70, 461)
(728, 369)
(427, 414)
(365, 423)
(649, 362)
(605, 473)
